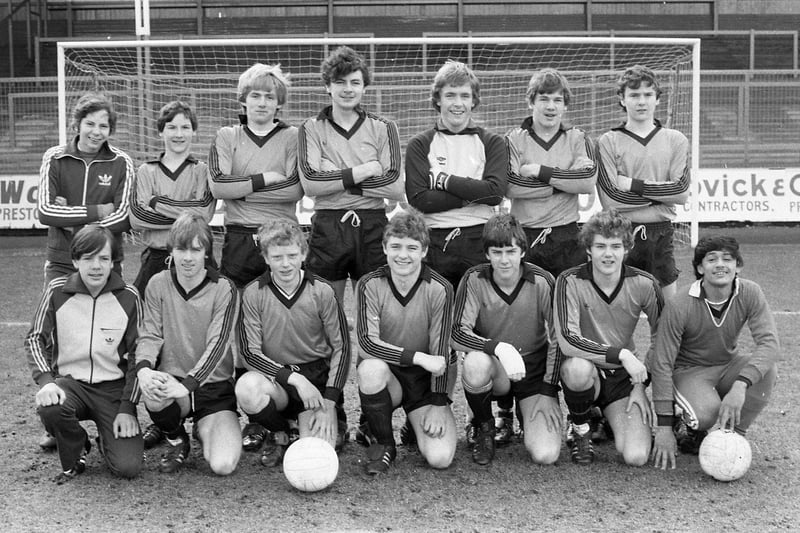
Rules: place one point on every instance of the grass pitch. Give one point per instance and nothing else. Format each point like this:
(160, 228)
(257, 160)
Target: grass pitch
(512, 494)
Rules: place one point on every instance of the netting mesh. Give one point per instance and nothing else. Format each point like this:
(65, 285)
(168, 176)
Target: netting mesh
(140, 79)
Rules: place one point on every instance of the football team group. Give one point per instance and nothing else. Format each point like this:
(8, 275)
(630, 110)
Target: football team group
(522, 304)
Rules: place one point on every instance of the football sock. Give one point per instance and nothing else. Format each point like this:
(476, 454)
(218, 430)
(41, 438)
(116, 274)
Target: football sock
(480, 401)
(169, 420)
(175, 441)
(271, 418)
(581, 429)
(579, 404)
(377, 410)
(506, 403)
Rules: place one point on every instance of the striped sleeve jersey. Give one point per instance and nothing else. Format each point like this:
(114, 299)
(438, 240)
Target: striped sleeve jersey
(327, 154)
(567, 170)
(189, 335)
(392, 327)
(237, 160)
(475, 161)
(659, 166)
(689, 335)
(107, 179)
(161, 195)
(595, 326)
(485, 316)
(276, 332)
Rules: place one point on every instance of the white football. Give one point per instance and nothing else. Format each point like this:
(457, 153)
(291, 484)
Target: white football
(725, 455)
(310, 464)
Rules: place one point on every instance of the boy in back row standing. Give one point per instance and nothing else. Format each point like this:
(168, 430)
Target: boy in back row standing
(644, 172)
(349, 162)
(550, 164)
(456, 176)
(253, 169)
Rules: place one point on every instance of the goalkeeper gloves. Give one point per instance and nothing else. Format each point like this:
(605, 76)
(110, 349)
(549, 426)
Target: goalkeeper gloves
(439, 181)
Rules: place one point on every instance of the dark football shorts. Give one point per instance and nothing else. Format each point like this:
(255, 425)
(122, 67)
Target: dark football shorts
(555, 251)
(212, 398)
(654, 251)
(453, 251)
(317, 373)
(615, 384)
(535, 368)
(416, 384)
(346, 242)
(242, 261)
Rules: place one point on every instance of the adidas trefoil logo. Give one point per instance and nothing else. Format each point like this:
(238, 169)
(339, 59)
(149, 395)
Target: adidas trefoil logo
(104, 179)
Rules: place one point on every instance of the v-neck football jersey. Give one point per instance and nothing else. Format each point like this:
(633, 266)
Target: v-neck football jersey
(593, 325)
(485, 315)
(567, 170)
(659, 166)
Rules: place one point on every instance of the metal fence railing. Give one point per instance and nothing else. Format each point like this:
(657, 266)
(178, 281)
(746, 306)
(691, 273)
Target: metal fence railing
(750, 118)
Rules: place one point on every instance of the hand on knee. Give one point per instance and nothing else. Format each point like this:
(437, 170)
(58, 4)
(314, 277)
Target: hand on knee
(51, 415)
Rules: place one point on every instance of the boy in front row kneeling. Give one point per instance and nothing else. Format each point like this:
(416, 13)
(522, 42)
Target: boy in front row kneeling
(81, 379)
(293, 333)
(697, 363)
(404, 314)
(597, 307)
(503, 320)
(184, 363)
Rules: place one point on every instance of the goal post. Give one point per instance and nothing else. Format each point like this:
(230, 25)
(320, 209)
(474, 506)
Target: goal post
(141, 16)
(142, 75)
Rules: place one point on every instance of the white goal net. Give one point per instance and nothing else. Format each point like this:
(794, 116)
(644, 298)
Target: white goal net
(141, 76)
